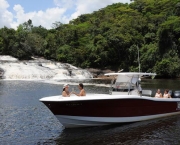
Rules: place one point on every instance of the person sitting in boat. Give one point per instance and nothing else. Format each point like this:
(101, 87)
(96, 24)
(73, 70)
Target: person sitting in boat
(158, 94)
(65, 92)
(166, 94)
(82, 91)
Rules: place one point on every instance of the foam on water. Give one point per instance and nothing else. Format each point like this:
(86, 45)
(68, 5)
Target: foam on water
(39, 69)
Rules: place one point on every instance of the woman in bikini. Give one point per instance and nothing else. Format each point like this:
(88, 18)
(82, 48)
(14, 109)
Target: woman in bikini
(166, 94)
(158, 94)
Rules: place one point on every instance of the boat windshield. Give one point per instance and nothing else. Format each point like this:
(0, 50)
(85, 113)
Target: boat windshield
(127, 82)
(122, 86)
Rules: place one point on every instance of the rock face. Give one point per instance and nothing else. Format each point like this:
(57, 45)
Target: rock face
(38, 68)
(98, 73)
(1, 73)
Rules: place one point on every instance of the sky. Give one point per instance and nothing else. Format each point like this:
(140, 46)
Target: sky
(46, 12)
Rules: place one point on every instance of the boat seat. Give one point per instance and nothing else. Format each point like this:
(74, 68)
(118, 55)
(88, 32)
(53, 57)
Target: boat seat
(147, 92)
(171, 93)
(175, 94)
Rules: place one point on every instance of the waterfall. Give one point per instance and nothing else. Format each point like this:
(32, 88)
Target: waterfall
(39, 69)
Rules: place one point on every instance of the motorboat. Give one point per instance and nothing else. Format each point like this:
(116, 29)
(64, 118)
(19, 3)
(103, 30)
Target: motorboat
(126, 102)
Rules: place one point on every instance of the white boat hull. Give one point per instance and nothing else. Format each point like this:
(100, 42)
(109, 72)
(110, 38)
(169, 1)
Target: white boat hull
(79, 121)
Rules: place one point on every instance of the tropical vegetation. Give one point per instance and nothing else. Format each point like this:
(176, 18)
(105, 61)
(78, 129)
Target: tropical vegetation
(106, 39)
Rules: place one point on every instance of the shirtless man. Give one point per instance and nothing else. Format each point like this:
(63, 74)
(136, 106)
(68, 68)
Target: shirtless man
(82, 91)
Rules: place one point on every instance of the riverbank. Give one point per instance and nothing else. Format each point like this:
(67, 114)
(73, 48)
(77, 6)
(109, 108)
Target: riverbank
(40, 68)
(99, 74)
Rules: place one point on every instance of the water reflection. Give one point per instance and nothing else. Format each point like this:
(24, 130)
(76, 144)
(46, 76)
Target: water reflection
(23, 119)
(172, 84)
(162, 131)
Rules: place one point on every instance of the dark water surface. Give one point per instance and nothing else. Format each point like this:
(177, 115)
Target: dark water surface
(25, 121)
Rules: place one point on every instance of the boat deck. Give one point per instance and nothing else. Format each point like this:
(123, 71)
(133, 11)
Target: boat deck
(104, 96)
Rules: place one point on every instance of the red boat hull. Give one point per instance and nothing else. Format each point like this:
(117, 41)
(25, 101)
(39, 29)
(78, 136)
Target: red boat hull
(113, 107)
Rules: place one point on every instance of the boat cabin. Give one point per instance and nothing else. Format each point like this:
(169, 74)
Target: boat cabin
(128, 83)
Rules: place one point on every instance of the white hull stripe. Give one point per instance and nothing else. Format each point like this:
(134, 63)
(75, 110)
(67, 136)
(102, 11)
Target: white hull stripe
(79, 121)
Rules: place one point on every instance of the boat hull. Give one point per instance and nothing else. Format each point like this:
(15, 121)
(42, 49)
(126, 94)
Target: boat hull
(96, 112)
(79, 121)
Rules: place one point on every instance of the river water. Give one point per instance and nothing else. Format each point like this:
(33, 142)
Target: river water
(25, 121)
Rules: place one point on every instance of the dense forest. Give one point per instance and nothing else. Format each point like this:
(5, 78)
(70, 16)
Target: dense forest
(106, 39)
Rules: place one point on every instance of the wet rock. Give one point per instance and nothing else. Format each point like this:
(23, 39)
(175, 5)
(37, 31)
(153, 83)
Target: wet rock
(99, 72)
(1, 73)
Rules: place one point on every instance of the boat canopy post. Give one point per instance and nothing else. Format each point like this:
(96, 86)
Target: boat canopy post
(127, 83)
(129, 88)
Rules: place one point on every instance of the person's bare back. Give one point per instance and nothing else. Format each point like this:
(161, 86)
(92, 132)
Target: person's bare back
(82, 93)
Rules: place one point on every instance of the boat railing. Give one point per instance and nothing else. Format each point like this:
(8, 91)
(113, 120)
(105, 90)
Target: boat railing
(121, 88)
(129, 83)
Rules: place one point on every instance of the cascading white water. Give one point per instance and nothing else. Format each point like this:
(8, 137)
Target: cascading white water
(38, 69)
